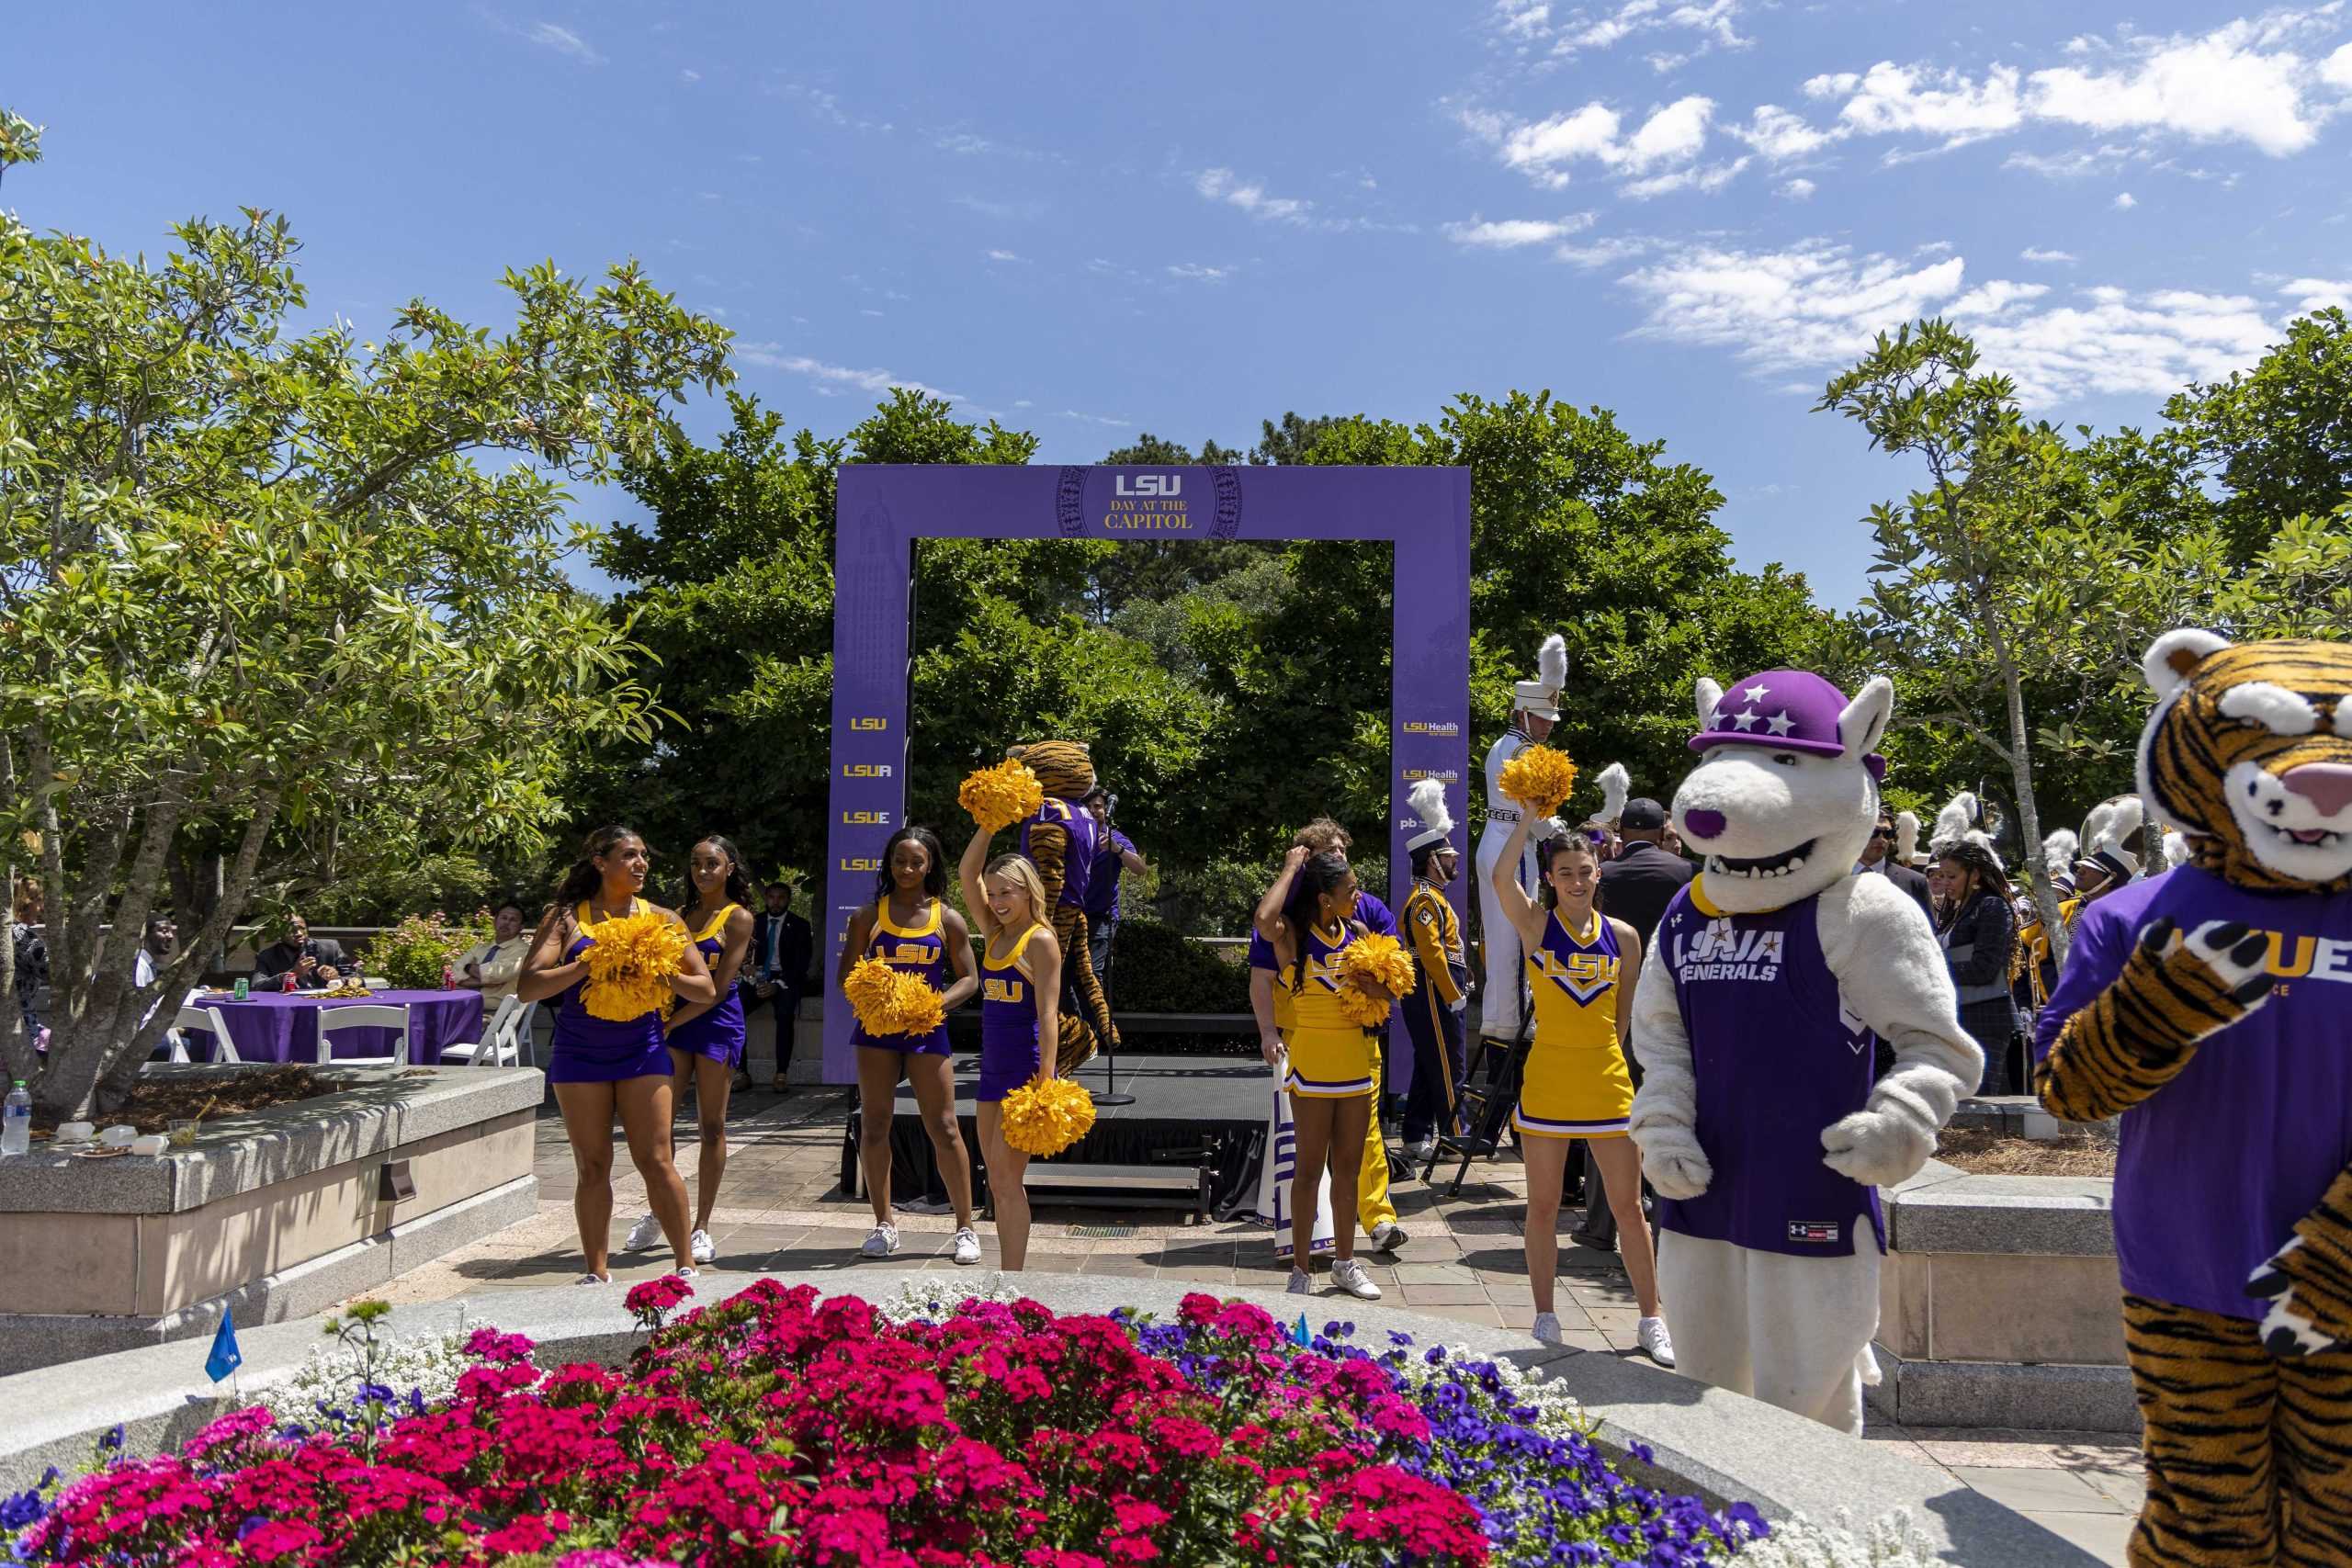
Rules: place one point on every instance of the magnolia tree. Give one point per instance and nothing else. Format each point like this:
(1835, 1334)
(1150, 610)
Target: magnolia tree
(250, 578)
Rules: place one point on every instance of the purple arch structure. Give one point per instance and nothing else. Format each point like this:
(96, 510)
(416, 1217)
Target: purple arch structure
(883, 508)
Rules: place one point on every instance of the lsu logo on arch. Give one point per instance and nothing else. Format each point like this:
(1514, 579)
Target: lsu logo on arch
(865, 819)
(870, 721)
(865, 770)
(861, 863)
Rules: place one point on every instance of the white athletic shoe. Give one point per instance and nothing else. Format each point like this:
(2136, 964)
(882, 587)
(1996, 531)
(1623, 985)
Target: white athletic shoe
(699, 1247)
(688, 1272)
(594, 1280)
(967, 1245)
(1547, 1327)
(642, 1234)
(1655, 1342)
(880, 1242)
(1420, 1152)
(1301, 1282)
(1349, 1275)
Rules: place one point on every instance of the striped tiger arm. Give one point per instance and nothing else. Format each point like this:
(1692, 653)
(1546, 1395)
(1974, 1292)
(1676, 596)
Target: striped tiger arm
(2137, 1035)
(1048, 848)
(2309, 1281)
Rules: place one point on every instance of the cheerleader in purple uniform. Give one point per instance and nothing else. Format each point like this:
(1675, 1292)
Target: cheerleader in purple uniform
(910, 927)
(1021, 989)
(599, 1065)
(706, 1041)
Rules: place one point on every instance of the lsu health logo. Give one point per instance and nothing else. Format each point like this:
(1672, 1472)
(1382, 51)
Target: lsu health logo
(1719, 952)
(865, 770)
(1148, 484)
(871, 721)
(1429, 726)
(1442, 775)
(865, 819)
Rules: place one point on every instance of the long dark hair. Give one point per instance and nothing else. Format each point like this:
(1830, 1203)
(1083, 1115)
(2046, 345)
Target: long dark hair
(1317, 875)
(739, 884)
(1985, 873)
(1550, 849)
(934, 878)
(584, 878)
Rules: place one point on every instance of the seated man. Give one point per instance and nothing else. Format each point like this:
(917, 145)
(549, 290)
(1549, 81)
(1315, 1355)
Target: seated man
(313, 963)
(163, 940)
(494, 967)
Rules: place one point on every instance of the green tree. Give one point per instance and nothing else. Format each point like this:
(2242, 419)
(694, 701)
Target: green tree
(2279, 437)
(254, 580)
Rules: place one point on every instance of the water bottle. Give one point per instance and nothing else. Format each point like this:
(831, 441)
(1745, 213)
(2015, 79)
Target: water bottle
(16, 1123)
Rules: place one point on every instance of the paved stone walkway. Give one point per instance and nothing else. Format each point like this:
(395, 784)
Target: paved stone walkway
(782, 1209)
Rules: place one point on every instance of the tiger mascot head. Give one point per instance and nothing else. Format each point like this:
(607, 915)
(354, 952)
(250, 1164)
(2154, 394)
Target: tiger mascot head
(1063, 767)
(2249, 753)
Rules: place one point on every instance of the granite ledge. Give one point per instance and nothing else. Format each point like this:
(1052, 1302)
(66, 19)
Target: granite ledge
(379, 1110)
(2070, 1216)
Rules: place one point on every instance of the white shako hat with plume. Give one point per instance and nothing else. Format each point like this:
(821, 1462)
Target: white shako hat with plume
(1616, 783)
(1962, 821)
(1428, 800)
(1906, 836)
(1541, 696)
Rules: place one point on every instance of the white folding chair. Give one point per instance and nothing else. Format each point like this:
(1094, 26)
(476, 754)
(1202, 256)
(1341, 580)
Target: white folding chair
(496, 1046)
(338, 1021)
(204, 1020)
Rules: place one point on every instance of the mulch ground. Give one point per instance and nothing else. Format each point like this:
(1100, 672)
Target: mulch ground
(155, 1103)
(1980, 1152)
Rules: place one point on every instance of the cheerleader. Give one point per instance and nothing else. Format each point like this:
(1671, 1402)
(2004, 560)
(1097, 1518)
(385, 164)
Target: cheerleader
(599, 1065)
(1308, 917)
(706, 1041)
(1582, 966)
(910, 927)
(1021, 988)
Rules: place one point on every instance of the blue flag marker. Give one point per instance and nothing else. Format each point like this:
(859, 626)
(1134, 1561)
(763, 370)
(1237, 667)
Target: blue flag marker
(1298, 1334)
(226, 1358)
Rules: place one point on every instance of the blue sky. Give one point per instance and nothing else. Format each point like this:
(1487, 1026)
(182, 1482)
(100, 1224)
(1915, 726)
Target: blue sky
(1097, 220)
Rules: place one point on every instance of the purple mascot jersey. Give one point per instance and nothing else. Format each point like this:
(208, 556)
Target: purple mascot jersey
(1765, 1090)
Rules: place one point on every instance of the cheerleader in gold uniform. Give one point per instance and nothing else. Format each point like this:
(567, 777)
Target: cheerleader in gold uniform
(1582, 966)
(1308, 917)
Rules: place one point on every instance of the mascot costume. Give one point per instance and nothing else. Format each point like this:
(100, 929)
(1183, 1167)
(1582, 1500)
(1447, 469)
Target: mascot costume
(1534, 710)
(1060, 842)
(2211, 1007)
(1757, 1119)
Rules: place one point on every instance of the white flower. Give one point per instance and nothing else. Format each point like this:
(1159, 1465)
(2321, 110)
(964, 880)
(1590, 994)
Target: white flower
(1890, 1541)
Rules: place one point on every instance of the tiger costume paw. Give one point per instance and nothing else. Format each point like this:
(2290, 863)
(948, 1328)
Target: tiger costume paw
(2308, 1282)
(2212, 977)
(2139, 1033)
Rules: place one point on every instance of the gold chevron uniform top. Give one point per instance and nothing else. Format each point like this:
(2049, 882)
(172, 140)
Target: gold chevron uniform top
(1436, 933)
(1330, 1057)
(1575, 1084)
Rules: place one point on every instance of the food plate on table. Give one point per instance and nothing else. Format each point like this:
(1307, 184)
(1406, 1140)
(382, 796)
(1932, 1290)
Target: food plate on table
(344, 992)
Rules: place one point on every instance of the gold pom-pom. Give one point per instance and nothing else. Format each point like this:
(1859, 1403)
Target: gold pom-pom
(871, 988)
(997, 797)
(915, 1008)
(1044, 1119)
(1377, 960)
(1539, 778)
(631, 961)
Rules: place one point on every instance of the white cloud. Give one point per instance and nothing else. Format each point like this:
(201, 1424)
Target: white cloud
(1607, 251)
(1708, 180)
(2336, 70)
(2125, 201)
(1914, 99)
(2035, 254)
(563, 40)
(1545, 150)
(1092, 418)
(1196, 272)
(832, 379)
(1002, 257)
(1219, 184)
(1799, 190)
(1523, 19)
(1708, 23)
(1819, 305)
(689, 76)
(1781, 135)
(2317, 294)
(1509, 234)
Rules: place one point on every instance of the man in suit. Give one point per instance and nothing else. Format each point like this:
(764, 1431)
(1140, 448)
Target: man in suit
(776, 970)
(1635, 887)
(1878, 855)
(313, 963)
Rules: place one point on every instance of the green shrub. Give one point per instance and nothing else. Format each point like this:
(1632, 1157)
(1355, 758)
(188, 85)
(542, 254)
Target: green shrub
(1154, 969)
(411, 955)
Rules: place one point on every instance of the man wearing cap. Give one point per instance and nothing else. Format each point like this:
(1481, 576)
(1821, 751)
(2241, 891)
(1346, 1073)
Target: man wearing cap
(1535, 708)
(1773, 975)
(1432, 1009)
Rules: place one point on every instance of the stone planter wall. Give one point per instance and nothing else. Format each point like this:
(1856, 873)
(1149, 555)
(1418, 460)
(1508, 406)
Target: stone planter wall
(273, 1214)
(1999, 1304)
(1697, 1440)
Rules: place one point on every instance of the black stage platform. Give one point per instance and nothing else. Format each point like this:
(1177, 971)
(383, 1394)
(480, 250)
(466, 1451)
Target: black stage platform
(1203, 1116)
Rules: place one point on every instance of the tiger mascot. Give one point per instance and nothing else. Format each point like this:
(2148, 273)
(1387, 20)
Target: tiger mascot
(1060, 841)
(2211, 1007)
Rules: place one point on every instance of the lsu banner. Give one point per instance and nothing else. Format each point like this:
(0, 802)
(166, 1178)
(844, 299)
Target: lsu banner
(1275, 1173)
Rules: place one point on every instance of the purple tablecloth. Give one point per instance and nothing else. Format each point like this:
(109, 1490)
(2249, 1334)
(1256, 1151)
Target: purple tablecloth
(278, 1026)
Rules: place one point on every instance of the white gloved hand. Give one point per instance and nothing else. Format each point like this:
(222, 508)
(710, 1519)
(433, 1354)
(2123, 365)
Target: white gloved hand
(1673, 1163)
(1877, 1148)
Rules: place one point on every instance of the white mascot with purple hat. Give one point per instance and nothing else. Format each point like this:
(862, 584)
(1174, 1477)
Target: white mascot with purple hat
(1772, 976)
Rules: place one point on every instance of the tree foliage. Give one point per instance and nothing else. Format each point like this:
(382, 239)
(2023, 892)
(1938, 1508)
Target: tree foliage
(256, 584)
